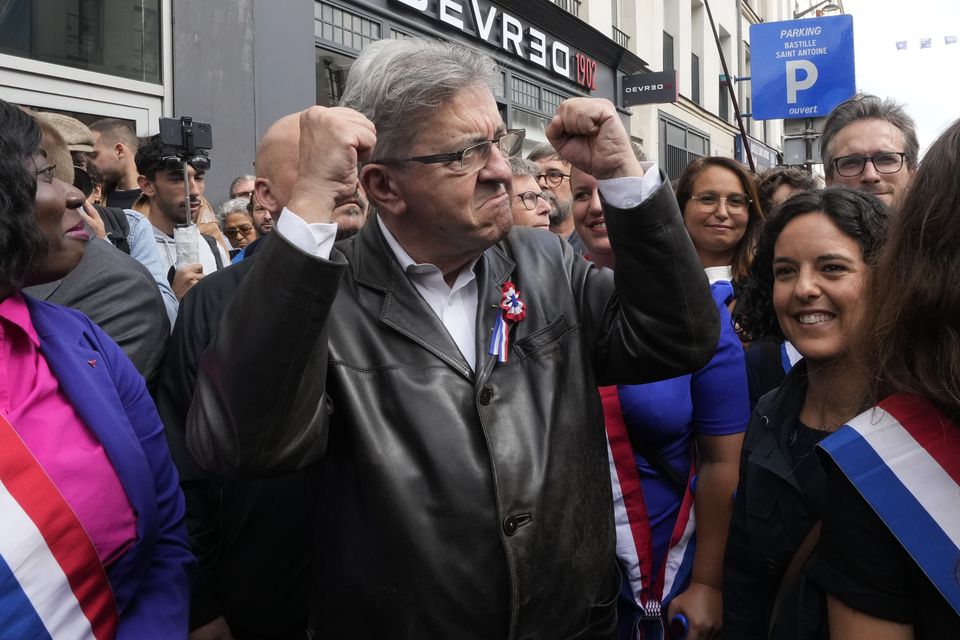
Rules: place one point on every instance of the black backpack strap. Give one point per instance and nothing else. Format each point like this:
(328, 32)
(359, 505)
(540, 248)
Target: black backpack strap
(213, 247)
(116, 225)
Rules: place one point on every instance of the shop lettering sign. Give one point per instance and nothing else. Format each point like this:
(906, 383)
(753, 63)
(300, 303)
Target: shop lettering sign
(497, 27)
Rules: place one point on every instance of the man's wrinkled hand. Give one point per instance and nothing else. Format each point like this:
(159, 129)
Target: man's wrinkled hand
(588, 133)
(332, 143)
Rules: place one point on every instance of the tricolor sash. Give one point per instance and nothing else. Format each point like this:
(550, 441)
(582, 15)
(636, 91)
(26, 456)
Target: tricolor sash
(903, 457)
(652, 591)
(52, 584)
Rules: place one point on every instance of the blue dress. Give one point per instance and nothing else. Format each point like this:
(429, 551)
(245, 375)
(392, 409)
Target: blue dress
(668, 415)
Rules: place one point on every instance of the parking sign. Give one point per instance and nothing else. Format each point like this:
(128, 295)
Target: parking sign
(801, 68)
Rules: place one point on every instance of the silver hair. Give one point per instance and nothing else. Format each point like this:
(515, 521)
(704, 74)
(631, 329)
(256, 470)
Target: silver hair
(865, 106)
(399, 84)
(232, 206)
(238, 180)
(544, 151)
(521, 167)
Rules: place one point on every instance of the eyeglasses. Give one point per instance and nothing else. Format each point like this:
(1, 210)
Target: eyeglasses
(552, 178)
(529, 199)
(174, 164)
(242, 230)
(735, 203)
(473, 157)
(241, 194)
(852, 166)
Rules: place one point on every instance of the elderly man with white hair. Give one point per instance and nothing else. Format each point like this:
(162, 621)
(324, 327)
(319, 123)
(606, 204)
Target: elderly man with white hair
(438, 370)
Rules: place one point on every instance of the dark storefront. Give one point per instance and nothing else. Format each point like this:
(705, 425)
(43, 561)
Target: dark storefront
(547, 54)
(259, 60)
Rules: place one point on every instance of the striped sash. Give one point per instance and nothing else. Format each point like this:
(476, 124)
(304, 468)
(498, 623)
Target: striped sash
(652, 587)
(903, 456)
(52, 584)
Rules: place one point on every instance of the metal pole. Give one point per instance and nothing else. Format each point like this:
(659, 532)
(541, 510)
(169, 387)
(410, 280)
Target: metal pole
(729, 81)
(186, 191)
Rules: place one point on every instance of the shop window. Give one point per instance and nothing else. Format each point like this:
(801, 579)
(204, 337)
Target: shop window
(526, 94)
(116, 37)
(535, 97)
(345, 28)
(680, 144)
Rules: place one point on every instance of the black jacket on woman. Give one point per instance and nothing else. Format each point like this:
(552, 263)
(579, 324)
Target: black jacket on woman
(774, 508)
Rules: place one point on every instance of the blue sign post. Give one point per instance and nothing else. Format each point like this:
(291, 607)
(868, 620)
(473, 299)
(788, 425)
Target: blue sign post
(801, 68)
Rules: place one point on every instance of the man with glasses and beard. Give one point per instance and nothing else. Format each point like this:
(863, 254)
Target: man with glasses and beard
(436, 372)
(161, 180)
(871, 145)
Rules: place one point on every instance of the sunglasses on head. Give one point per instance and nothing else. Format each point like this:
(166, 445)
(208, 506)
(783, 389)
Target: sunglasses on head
(174, 164)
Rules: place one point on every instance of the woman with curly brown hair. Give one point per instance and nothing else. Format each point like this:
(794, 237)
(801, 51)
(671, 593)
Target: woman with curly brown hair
(812, 263)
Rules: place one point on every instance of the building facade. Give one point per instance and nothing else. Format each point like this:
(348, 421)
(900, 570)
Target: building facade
(242, 64)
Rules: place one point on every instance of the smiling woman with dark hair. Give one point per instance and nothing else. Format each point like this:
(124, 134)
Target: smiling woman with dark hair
(92, 542)
(813, 261)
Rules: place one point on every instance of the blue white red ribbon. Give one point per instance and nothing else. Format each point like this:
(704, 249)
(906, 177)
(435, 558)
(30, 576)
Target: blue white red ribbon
(903, 456)
(52, 584)
(512, 309)
(652, 587)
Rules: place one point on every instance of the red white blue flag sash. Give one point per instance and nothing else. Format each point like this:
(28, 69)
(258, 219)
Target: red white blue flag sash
(52, 584)
(903, 456)
(651, 592)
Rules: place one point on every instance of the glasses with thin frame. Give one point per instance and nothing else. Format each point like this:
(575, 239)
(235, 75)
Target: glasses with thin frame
(735, 202)
(553, 177)
(886, 162)
(471, 158)
(529, 199)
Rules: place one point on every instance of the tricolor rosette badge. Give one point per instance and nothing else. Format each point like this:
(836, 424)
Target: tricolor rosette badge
(512, 309)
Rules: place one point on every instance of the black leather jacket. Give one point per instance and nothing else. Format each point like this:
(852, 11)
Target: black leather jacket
(454, 503)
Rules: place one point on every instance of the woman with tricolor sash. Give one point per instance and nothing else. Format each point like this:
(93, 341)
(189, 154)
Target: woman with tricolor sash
(889, 553)
(673, 447)
(812, 263)
(92, 543)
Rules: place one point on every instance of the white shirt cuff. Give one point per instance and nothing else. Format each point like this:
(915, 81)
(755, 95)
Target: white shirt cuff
(316, 238)
(629, 192)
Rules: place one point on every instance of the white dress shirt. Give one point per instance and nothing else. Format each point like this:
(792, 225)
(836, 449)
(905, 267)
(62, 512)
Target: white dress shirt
(455, 306)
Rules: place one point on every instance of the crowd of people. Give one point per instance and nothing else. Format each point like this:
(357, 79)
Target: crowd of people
(408, 382)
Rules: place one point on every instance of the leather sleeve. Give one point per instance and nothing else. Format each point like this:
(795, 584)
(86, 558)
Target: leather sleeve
(662, 321)
(283, 302)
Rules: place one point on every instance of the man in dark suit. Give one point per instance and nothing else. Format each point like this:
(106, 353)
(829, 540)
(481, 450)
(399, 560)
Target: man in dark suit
(251, 537)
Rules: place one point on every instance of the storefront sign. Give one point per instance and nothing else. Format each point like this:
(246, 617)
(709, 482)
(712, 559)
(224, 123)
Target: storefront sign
(764, 157)
(497, 27)
(649, 88)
